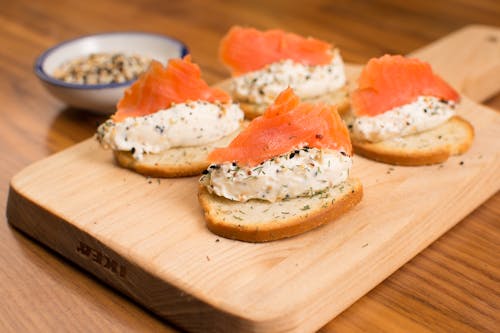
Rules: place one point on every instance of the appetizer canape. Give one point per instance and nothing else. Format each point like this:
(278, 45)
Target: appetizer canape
(264, 63)
(169, 120)
(286, 173)
(403, 113)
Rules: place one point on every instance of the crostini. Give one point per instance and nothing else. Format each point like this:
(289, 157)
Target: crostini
(286, 173)
(402, 113)
(264, 63)
(169, 120)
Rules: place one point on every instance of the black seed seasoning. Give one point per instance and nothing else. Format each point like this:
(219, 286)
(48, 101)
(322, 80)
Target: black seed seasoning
(159, 129)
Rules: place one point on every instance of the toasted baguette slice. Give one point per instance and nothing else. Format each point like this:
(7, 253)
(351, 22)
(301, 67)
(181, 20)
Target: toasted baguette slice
(434, 146)
(339, 97)
(174, 162)
(262, 221)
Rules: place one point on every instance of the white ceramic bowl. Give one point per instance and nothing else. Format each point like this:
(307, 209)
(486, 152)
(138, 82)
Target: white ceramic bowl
(101, 98)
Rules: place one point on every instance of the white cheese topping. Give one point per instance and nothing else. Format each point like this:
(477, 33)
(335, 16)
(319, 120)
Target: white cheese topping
(302, 172)
(263, 86)
(425, 113)
(181, 125)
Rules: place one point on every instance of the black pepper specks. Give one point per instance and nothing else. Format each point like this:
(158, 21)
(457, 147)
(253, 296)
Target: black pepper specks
(159, 129)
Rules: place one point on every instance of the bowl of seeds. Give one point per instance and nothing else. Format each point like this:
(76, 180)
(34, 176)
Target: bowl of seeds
(92, 72)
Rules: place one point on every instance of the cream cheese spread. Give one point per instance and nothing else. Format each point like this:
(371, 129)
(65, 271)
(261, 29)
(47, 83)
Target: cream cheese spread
(423, 114)
(192, 123)
(263, 86)
(301, 172)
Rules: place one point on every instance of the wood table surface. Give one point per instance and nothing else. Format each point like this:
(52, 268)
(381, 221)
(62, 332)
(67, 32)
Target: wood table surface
(452, 286)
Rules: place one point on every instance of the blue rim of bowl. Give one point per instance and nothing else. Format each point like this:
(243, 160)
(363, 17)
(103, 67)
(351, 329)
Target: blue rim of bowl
(50, 79)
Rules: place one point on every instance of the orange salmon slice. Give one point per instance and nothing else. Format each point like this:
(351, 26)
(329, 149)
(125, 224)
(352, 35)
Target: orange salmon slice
(159, 87)
(392, 81)
(286, 125)
(248, 49)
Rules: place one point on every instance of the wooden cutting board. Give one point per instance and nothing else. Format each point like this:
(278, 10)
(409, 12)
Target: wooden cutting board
(147, 238)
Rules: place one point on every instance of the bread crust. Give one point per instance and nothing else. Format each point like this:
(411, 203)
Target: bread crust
(159, 170)
(339, 97)
(268, 228)
(431, 147)
(174, 162)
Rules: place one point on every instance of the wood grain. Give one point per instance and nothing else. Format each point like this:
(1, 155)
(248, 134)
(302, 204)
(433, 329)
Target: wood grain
(451, 286)
(478, 80)
(166, 259)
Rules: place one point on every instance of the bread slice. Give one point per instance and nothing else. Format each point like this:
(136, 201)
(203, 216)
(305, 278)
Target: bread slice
(174, 162)
(430, 147)
(262, 221)
(339, 97)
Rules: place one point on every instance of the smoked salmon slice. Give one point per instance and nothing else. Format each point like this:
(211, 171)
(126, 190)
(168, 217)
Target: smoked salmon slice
(160, 86)
(248, 49)
(286, 125)
(392, 81)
